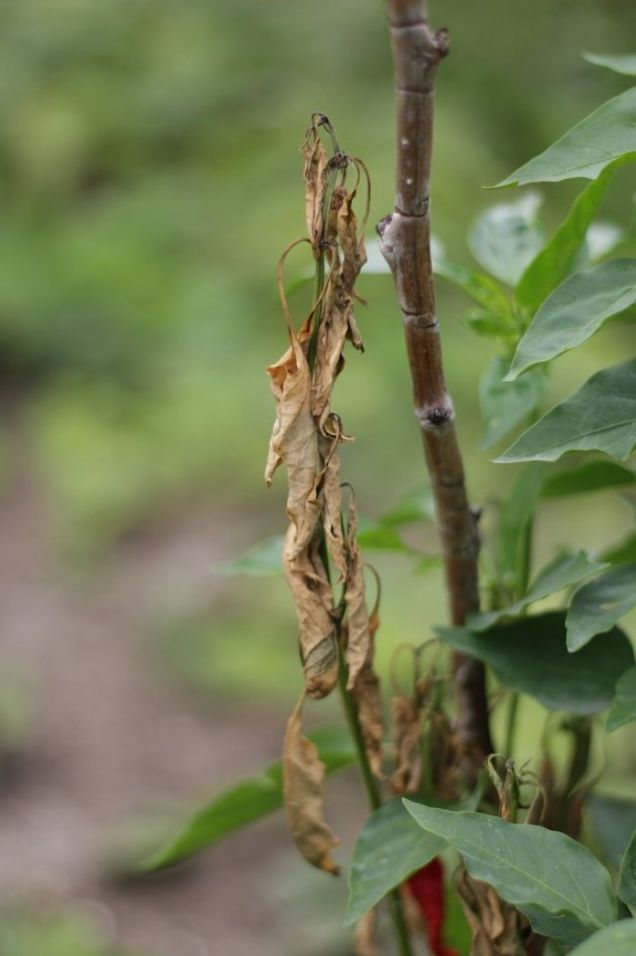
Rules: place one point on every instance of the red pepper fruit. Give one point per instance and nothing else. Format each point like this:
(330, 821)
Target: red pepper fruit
(427, 889)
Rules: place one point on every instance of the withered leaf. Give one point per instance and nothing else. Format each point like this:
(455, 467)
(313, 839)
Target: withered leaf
(315, 174)
(364, 935)
(358, 624)
(304, 795)
(307, 579)
(366, 693)
(332, 502)
(406, 723)
(496, 926)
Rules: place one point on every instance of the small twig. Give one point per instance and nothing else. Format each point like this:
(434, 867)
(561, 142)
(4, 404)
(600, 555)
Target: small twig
(405, 244)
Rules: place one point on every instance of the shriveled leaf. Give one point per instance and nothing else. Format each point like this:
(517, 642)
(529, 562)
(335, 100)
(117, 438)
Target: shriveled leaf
(516, 511)
(530, 655)
(555, 881)
(389, 849)
(574, 312)
(364, 943)
(591, 476)
(617, 939)
(304, 796)
(406, 732)
(246, 801)
(504, 405)
(366, 695)
(601, 416)
(507, 237)
(307, 579)
(556, 260)
(359, 635)
(624, 63)
(627, 876)
(561, 573)
(316, 175)
(623, 709)
(496, 926)
(480, 287)
(588, 148)
(613, 821)
(597, 606)
(264, 560)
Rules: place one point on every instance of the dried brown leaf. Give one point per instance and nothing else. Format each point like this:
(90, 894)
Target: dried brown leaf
(332, 502)
(307, 579)
(497, 928)
(304, 795)
(364, 935)
(316, 175)
(366, 693)
(406, 722)
(359, 643)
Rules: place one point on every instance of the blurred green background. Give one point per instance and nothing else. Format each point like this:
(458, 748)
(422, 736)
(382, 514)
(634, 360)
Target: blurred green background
(149, 178)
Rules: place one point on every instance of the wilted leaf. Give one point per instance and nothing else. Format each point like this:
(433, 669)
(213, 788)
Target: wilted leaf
(366, 695)
(304, 796)
(364, 936)
(561, 573)
(620, 63)
(597, 606)
(496, 926)
(263, 560)
(618, 939)
(623, 709)
(556, 260)
(584, 151)
(406, 730)
(627, 876)
(574, 311)
(315, 174)
(530, 655)
(247, 801)
(601, 416)
(591, 476)
(559, 885)
(507, 237)
(389, 849)
(357, 617)
(504, 405)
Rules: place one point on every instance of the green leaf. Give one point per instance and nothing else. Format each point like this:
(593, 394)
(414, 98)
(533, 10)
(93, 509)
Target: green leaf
(493, 325)
(620, 63)
(627, 876)
(560, 886)
(245, 802)
(588, 148)
(505, 405)
(529, 655)
(555, 261)
(561, 573)
(617, 939)
(262, 561)
(597, 606)
(389, 849)
(478, 286)
(575, 311)
(506, 238)
(623, 709)
(601, 416)
(516, 511)
(613, 820)
(622, 553)
(417, 506)
(380, 536)
(591, 476)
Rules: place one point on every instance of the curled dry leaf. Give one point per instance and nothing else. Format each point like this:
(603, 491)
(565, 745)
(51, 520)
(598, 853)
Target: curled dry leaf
(304, 795)
(364, 935)
(366, 694)
(406, 723)
(497, 928)
(358, 623)
(316, 175)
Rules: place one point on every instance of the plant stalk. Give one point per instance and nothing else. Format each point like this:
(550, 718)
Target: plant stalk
(405, 244)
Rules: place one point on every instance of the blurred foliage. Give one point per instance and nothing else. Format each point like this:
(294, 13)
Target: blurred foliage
(150, 173)
(53, 934)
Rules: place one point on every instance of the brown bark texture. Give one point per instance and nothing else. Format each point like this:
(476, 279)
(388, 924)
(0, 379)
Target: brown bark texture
(405, 244)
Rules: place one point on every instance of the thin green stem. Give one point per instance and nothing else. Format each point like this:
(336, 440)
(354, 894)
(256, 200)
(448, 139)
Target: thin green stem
(511, 723)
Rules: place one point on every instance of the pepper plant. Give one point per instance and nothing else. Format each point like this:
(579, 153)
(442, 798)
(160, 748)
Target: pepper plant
(540, 860)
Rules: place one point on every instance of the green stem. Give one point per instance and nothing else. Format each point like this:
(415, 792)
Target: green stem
(511, 723)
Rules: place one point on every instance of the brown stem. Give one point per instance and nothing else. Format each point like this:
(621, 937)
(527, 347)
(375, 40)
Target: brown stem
(405, 244)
